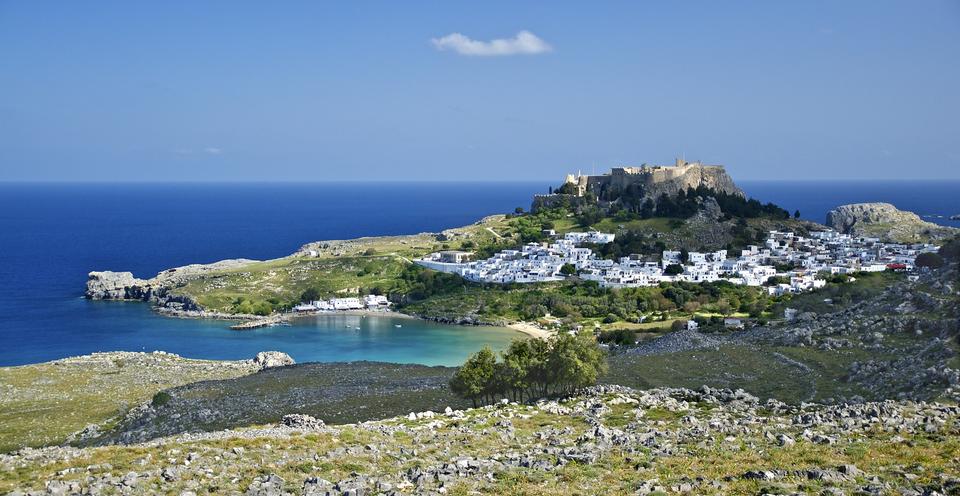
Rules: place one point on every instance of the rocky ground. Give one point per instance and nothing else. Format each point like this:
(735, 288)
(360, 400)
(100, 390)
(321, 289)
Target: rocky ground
(900, 341)
(75, 397)
(607, 440)
(335, 392)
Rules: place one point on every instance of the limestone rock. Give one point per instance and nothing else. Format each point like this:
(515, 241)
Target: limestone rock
(886, 222)
(301, 421)
(650, 181)
(270, 485)
(109, 285)
(270, 359)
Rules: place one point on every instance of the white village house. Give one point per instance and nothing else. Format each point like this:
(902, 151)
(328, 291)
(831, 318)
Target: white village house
(806, 257)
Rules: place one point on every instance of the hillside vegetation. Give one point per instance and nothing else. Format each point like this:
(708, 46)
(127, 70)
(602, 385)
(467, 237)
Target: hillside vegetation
(606, 440)
(384, 266)
(45, 403)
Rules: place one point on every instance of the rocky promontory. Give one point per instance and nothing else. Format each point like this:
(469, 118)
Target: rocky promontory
(885, 221)
(109, 285)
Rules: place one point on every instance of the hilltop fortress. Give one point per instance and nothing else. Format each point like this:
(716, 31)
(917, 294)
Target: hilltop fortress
(646, 181)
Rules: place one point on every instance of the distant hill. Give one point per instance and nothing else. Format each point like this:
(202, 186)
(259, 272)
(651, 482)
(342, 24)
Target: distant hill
(634, 185)
(885, 221)
(679, 191)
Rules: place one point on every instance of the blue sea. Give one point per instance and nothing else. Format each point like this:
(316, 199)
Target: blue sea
(52, 235)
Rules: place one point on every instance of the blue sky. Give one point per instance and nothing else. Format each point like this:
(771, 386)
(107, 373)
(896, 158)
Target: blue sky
(201, 91)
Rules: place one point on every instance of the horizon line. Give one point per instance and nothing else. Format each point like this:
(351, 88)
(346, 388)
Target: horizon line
(413, 181)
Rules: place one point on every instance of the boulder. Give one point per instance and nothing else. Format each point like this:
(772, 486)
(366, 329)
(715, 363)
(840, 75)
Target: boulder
(301, 421)
(270, 359)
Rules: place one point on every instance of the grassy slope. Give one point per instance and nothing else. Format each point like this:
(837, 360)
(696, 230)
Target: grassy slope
(798, 373)
(335, 392)
(346, 267)
(897, 457)
(790, 374)
(341, 269)
(286, 279)
(43, 404)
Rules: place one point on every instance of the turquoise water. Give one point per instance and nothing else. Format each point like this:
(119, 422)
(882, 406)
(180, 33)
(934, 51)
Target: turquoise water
(132, 326)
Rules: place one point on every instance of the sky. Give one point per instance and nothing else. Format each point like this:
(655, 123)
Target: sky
(451, 91)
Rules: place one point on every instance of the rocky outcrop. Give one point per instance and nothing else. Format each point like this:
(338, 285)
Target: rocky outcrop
(270, 359)
(886, 222)
(690, 176)
(302, 422)
(638, 184)
(108, 285)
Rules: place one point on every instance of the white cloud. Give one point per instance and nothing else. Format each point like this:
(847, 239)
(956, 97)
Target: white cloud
(210, 150)
(524, 43)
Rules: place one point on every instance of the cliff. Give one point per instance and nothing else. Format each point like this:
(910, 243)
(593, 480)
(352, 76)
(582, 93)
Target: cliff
(885, 221)
(640, 183)
(109, 285)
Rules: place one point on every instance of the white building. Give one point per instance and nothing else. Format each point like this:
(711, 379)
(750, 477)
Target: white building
(805, 258)
(375, 301)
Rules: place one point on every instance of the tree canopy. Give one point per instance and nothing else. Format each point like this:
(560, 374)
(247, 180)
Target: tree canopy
(929, 260)
(530, 368)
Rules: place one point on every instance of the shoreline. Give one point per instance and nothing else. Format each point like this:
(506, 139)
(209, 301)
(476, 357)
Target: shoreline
(374, 313)
(250, 322)
(531, 329)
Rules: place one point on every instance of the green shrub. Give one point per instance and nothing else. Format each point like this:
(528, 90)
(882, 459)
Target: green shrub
(929, 260)
(160, 399)
(622, 337)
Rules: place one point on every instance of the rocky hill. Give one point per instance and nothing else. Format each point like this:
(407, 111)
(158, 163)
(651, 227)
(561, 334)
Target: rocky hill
(886, 222)
(640, 183)
(606, 440)
(334, 267)
(109, 285)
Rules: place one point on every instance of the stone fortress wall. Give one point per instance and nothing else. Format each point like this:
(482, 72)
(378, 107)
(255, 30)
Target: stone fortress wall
(650, 181)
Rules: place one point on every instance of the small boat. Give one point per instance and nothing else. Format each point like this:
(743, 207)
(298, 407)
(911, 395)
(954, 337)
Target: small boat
(397, 325)
(357, 328)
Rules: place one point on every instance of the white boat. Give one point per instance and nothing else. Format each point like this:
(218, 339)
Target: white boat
(397, 325)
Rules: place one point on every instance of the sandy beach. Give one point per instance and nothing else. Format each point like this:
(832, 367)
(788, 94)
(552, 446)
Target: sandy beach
(531, 330)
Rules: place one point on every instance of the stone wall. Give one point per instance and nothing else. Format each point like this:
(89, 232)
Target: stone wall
(645, 181)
